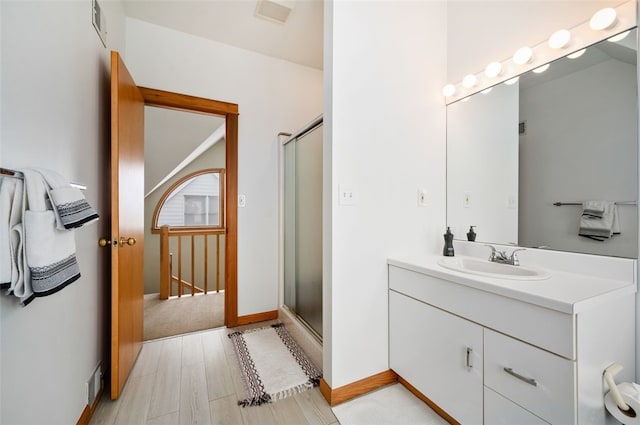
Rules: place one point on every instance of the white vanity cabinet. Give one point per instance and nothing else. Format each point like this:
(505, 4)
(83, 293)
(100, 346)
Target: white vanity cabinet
(486, 355)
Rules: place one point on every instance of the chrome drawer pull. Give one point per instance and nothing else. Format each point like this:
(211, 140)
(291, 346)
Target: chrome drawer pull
(529, 381)
(469, 361)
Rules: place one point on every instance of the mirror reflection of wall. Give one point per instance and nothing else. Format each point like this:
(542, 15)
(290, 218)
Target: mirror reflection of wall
(580, 142)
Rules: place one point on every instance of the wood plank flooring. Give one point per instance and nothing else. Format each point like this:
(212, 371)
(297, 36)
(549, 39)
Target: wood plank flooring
(195, 379)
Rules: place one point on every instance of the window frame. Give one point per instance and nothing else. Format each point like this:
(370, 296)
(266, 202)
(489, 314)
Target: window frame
(190, 229)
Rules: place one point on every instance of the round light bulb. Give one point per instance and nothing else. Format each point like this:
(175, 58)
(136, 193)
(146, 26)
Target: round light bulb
(485, 91)
(559, 39)
(619, 37)
(512, 81)
(449, 90)
(603, 19)
(493, 69)
(577, 54)
(523, 55)
(541, 69)
(469, 81)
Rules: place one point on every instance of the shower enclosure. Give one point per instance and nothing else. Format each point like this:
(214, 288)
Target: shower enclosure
(303, 225)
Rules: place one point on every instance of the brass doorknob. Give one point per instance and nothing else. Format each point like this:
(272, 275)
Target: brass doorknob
(104, 242)
(128, 241)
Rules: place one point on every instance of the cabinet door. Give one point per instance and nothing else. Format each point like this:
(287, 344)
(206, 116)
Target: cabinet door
(438, 353)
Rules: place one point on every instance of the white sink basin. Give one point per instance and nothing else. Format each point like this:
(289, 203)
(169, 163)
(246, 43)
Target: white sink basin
(490, 269)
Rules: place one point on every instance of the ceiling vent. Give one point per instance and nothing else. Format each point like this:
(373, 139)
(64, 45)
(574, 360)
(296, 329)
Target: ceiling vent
(274, 10)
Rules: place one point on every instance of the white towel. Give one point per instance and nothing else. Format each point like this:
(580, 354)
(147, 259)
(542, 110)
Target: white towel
(49, 251)
(11, 252)
(7, 190)
(593, 208)
(69, 204)
(600, 228)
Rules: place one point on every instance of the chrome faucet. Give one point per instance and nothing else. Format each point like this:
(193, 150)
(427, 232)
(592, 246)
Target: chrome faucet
(497, 256)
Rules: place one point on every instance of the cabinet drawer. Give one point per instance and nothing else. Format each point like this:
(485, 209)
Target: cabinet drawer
(537, 380)
(500, 411)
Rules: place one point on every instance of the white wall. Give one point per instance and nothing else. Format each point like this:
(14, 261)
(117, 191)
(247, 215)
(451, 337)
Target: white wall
(384, 137)
(273, 96)
(55, 114)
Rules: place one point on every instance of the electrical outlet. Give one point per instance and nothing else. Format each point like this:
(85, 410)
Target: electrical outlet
(423, 201)
(347, 196)
(512, 202)
(466, 200)
(242, 201)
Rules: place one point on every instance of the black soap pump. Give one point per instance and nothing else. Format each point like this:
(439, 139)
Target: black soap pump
(471, 235)
(448, 243)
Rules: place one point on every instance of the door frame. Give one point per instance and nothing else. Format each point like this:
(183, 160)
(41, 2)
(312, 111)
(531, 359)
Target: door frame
(186, 103)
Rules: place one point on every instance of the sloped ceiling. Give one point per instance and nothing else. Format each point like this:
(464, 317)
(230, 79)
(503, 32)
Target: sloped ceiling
(233, 22)
(170, 136)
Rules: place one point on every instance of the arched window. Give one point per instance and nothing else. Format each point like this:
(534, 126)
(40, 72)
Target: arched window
(193, 202)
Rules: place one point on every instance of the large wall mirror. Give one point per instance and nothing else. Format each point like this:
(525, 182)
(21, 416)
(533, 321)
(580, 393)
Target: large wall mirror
(565, 135)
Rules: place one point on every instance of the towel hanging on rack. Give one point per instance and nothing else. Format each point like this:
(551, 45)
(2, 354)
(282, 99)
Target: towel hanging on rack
(599, 220)
(39, 223)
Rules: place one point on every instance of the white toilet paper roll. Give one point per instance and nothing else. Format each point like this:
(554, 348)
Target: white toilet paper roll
(631, 396)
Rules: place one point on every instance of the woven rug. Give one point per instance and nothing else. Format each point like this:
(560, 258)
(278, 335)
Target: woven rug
(273, 366)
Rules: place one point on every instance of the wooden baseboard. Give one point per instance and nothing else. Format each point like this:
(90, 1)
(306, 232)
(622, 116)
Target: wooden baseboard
(430, 403)
(355, 389)
(87, 413)
(258, 317)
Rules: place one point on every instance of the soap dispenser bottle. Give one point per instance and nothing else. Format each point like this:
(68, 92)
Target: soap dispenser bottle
(471, 235)
(448, 243)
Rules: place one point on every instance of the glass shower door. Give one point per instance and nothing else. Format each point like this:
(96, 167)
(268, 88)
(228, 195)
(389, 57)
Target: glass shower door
(303, 227)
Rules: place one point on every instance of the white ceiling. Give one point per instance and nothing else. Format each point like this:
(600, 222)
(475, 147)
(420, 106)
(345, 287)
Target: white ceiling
(233, 22)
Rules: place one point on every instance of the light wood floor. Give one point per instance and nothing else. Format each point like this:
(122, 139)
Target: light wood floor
(195, 379)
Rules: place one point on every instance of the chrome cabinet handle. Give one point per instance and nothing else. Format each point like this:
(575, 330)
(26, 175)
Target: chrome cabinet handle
(529, 381)
(469, 358)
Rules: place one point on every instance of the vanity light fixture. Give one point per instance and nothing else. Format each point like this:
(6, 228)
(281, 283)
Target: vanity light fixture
(603, 19)
(512, 81)
(523, 55)
(449, 90)
(619, 37)
(577, 54)
(493, 69)
(469, 81)
(541, 69)
(559, 39)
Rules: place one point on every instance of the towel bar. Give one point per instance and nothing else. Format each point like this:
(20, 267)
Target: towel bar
(18, 175)
(560, 204)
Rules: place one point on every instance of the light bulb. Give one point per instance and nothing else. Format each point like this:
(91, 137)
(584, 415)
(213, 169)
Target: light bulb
(485, 91)
(577, 54)
(523, 55)
(541, 69)
(619, 37)
(449, 90)
(493, 69)
(512, 81)
(469, 81)
(603, 19)
(559, 39)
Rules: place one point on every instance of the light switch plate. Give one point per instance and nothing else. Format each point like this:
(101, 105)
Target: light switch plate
(242, 201)
(423, 200)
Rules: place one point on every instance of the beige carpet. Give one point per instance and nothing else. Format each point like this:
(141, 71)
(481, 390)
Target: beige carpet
(177, 316)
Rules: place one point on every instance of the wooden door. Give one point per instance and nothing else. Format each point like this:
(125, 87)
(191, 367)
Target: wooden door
(127, 223)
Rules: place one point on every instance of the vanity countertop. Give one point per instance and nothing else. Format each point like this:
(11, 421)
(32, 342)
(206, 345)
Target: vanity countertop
(565, 292)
